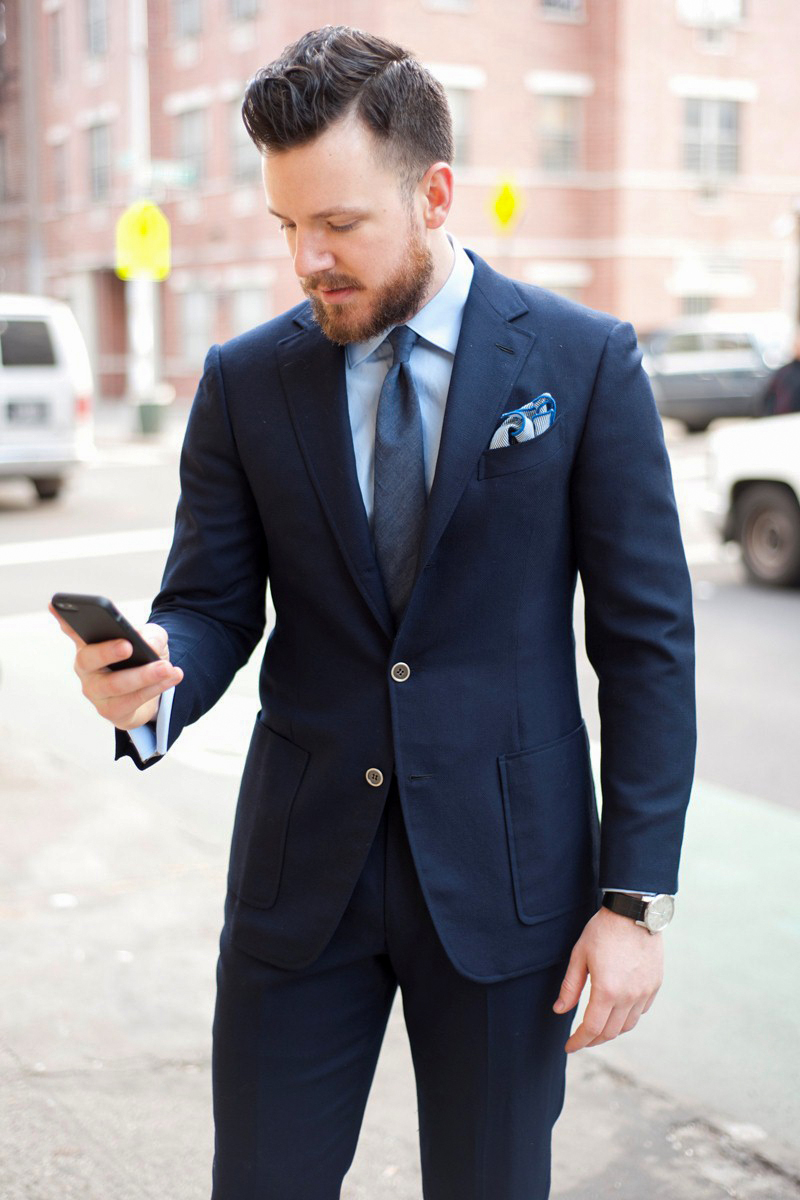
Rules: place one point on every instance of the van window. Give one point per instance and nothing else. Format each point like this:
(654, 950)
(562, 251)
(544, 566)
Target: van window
(26, 344)
(730, 341)
(682, 343)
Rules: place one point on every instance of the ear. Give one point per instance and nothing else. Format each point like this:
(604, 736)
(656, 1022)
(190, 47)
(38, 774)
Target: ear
(435, 191)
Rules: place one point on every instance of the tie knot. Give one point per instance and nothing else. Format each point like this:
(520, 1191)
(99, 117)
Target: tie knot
(402, 340)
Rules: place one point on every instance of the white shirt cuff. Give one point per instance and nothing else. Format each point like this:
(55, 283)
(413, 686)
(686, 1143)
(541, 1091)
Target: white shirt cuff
(151, 739)
(627, 892)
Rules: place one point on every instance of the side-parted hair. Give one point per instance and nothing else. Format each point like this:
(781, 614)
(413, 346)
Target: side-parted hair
(335, 70)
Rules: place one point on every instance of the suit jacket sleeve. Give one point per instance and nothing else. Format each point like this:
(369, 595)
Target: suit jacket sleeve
(213, 595)
(639, 627)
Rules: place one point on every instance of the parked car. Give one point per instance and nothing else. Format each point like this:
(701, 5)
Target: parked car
(753, 494)
(716, 365)
(46, 393)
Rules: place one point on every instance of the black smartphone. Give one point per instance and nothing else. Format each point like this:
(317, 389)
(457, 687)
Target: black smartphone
(96, 619)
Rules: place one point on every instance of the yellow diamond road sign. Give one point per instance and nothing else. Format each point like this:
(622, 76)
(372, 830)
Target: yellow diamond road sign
(143, 243)
(506, 204)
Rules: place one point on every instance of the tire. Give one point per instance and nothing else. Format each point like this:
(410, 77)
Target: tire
(48, 489)
(698, 426)
(768, 520)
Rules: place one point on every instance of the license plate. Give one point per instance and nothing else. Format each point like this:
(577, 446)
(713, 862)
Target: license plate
(27, 412)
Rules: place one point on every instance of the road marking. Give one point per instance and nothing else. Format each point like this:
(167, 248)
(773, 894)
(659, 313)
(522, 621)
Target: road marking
(96, 545)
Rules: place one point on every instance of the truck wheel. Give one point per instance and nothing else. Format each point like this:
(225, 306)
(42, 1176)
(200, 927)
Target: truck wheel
(697, 425)
(768, 518)
(48, 489)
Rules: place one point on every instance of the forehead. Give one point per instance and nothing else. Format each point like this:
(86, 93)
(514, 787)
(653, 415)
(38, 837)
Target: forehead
(341, 168)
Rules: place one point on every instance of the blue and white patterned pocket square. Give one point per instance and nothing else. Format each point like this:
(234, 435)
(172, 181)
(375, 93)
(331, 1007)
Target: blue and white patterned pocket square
(522, 424)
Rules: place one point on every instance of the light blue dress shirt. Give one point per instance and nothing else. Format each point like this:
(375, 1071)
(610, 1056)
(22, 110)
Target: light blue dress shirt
(438, 325)
(366, 366)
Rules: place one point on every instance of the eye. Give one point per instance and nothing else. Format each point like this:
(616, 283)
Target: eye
(285, 225)
(344, 228)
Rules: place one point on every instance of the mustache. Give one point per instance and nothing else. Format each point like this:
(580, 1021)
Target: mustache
(329, 283)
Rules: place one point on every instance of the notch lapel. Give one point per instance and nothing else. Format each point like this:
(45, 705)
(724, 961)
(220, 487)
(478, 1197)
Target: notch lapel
(313, 375)
(490, 354)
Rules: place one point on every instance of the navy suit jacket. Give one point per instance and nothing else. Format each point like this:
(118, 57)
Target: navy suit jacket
(486, 736)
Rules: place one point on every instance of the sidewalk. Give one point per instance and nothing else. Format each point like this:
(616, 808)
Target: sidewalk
(110, 905)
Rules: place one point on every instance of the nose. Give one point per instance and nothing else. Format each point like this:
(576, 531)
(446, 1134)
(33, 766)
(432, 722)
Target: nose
(312, 255)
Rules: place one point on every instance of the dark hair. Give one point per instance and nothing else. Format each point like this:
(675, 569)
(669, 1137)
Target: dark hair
(332, 71)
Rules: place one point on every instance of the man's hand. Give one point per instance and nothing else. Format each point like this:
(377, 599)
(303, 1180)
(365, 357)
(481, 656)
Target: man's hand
(126, 698)
(626, 965)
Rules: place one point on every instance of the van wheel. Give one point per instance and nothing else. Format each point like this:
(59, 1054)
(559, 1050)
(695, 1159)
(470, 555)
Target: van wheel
(768, 518)
(48, 489)
(697, 426)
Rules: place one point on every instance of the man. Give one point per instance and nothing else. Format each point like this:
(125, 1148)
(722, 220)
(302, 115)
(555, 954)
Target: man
(782, 393)
(417, 806)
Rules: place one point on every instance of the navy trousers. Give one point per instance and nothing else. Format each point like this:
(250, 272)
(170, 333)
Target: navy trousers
(295, 1053)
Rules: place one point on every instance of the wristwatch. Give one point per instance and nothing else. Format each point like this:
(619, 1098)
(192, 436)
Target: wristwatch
(653, 913)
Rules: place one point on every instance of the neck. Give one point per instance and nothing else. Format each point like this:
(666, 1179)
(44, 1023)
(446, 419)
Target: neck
(443, 259)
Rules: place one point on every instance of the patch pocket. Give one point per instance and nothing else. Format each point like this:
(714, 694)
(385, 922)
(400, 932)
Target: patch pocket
(272, 776)
(552, 826)
(520, 456)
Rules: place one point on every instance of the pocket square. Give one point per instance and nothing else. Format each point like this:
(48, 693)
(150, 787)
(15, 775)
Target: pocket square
(522, 424)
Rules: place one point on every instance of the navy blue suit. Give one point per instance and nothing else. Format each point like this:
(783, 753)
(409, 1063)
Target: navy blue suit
(482, 749)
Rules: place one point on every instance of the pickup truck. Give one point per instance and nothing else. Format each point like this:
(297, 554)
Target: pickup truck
(753, 494)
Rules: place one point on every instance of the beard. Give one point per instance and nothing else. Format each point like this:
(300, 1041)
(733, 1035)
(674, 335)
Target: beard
(395, 302)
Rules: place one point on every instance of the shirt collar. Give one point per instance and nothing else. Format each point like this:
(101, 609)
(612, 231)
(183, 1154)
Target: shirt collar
(439, 322)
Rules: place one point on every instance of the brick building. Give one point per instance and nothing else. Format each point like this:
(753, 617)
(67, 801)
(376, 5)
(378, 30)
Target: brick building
(653, 143)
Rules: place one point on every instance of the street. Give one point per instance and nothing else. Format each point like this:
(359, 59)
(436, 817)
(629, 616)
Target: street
(112, 883)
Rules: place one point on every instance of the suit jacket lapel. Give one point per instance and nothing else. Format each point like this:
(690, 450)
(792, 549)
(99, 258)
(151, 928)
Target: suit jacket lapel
(313, 375)
(490, 354)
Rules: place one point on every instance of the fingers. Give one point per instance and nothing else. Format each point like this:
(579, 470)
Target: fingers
(606, 1018)
(119, 695)
(156, 636)
(574, 982)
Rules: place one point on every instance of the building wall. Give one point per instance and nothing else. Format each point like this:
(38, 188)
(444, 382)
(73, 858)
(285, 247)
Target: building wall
(13, 215)
(621, 224)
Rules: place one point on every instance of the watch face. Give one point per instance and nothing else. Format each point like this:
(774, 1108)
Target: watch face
(659, 913)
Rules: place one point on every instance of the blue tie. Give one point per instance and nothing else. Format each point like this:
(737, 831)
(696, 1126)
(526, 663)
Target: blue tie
(399, 493)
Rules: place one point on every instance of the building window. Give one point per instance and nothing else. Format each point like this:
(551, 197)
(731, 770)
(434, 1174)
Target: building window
(449, 5)
(245, 158)
(695, 306)
(196, 322)
(187, 18)
(190, 146)
(460, 101)
(249, 308)
(96, 28)
(711, 14)
(562, 8)
(57, 43)
(60, 173)
(241, 9)
(559, 133)
(711, 137)
(99, 162)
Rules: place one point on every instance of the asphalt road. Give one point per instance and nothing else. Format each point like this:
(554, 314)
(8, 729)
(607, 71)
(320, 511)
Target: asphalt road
(111, 892)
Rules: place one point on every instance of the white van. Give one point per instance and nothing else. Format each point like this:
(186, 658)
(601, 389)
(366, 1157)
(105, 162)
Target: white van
(46, 393)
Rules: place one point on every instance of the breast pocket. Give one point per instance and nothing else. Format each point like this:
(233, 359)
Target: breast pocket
(552, 824)
(272, 776)
(522, 456)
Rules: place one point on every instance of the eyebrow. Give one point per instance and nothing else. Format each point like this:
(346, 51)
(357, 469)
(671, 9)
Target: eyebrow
(340, 211)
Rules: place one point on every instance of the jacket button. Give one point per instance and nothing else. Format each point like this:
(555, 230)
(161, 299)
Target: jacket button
(400, 672)
(374, 777)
